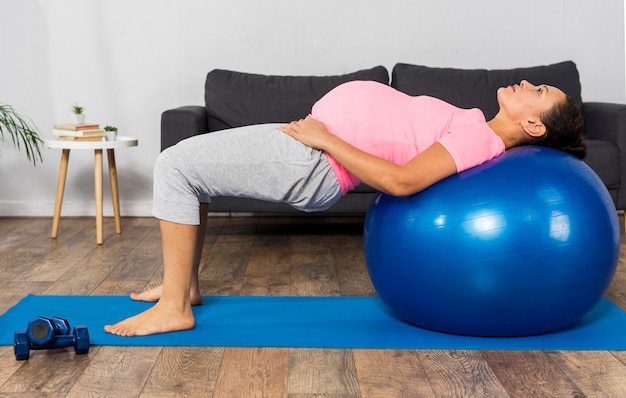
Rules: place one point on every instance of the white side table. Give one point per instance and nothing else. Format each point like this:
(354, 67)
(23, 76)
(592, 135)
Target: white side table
(97, 146)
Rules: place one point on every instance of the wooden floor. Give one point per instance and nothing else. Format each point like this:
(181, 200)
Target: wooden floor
(257, 256)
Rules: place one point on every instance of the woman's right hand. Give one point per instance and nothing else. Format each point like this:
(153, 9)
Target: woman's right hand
(309, 131)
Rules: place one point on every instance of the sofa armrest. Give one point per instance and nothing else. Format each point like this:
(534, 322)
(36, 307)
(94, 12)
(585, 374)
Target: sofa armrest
(606, 122)
(180, 123)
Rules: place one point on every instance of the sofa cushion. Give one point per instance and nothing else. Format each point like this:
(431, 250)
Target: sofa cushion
(236, 99)
(476, 88)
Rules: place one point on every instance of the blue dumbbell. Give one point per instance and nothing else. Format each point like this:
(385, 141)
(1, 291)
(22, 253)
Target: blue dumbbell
(47, 333)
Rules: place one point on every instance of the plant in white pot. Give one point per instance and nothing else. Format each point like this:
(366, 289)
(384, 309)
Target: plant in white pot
(110, 133)
(78, 114)
(22, 132)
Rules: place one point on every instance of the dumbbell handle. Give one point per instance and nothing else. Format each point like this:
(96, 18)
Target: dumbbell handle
(57, 342)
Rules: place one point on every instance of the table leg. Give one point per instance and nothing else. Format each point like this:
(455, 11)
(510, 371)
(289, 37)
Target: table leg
(98, 193)
(65, 158)
(114, 190)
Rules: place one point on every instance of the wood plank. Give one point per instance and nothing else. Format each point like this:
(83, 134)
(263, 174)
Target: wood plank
(17, 231)
(48, 371)
(621, 355)
(116, 372)
(313, 272)
(7, 224)
(214, 229)
(87, 274)
(11, 292)
(142, 255)
(184, 371)
(26, 244)
(531, 374)
(224, 267)
(237, 229)
(118, 288)
(322, 372)
(594, 372)
(461, 373)
(352, 275)
(8, 364)
(60, 254)
(391, 373)
(268, 272)
(226, 261)
(253, 372)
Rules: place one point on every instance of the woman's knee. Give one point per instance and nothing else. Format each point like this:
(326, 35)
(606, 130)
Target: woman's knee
(166, 161)
(169, 171)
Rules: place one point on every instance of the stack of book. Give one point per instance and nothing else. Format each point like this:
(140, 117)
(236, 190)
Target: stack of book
(78, 132)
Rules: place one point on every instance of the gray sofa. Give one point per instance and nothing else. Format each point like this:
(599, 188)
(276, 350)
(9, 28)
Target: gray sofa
(235, 99)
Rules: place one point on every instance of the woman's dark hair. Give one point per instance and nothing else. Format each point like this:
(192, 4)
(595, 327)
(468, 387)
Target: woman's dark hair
(564, 129)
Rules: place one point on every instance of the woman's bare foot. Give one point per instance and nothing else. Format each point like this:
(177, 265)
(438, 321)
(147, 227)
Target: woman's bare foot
(158, 319)
(154, 294)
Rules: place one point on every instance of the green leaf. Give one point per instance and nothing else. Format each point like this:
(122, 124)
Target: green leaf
(18, 127)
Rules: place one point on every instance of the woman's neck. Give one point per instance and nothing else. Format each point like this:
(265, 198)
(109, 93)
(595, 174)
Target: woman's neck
(509, 133)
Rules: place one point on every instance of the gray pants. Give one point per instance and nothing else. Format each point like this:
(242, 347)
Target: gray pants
(258, 162)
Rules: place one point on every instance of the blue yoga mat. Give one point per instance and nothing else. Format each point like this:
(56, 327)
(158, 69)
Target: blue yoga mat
(315, 322)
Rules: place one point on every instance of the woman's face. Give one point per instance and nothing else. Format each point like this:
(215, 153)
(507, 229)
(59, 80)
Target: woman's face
(527, 102)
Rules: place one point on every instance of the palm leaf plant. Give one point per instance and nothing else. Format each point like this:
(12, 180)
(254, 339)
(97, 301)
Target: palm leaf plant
(18, 127)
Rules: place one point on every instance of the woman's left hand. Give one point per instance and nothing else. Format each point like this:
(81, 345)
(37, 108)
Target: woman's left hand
(309, 131)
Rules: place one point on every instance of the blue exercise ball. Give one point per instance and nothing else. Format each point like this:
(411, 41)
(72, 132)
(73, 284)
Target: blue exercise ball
(523, 244)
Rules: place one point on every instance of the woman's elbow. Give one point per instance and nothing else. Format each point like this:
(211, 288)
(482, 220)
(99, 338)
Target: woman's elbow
(401, 189)
(409, 186)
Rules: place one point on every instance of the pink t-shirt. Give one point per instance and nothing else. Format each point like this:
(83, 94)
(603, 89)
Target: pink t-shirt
(382, 121)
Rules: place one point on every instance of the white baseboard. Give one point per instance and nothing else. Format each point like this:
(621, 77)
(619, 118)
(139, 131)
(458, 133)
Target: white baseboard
(73, 209)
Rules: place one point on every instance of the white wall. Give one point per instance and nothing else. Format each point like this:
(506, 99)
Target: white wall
(127, 61)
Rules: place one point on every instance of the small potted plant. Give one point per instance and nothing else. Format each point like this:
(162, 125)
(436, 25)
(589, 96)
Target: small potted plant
(18, 127)
(110, 133)
(78, 114)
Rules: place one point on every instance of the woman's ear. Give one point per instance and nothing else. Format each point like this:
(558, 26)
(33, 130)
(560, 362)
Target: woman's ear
(534, 128)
